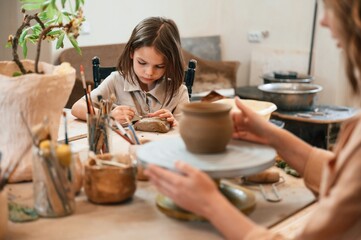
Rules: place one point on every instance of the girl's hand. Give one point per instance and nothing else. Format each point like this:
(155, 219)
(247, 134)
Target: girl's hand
(164, 113)
(122, 113)
(248, 125)
(191, 189)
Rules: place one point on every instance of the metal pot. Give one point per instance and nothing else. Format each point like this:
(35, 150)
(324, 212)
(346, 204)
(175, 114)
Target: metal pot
(290, 96)
(286, 77)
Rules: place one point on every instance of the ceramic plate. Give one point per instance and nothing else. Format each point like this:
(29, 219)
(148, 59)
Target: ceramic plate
(240, 158)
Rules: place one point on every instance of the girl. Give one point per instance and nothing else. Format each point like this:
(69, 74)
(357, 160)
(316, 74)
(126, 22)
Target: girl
(149, 77)
(333, 176)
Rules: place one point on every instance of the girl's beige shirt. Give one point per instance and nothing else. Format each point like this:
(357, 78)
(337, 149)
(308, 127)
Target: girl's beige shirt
(336, 178)
(140, 101)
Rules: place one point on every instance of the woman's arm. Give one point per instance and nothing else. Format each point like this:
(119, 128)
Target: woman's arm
(195, 191)
(248, 125)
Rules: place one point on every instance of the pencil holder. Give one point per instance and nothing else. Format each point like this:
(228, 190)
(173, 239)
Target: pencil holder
(53, 179)
(98, 133)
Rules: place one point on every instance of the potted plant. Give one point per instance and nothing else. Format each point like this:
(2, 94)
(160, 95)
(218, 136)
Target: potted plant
(34, 89)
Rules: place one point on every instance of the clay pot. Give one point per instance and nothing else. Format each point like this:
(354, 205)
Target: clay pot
(109, 184)
(206, 127)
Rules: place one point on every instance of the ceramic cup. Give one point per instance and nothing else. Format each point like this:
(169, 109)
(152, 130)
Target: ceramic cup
(206, 127)
(3, 214)
(104, 183)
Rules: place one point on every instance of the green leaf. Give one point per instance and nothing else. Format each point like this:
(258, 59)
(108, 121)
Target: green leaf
(25, 49)
(22, 36)
(77, 4)
(32, 38)
(59, 43)
(66, 13)
(8, 45)
(63, 3)
(32, 1)
(74, 43)
(32, 6)
(54, 32)
(43, 16)
(17, 74)
(51, 11)
(36, 29)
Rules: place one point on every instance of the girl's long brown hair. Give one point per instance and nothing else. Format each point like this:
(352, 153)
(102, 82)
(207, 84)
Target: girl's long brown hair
(162, 34)
(348, 14)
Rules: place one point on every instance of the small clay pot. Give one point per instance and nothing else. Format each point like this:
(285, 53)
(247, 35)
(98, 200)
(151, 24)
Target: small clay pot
(109, 184)
(206, 127)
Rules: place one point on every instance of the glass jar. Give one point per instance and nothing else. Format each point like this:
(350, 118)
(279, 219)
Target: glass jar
(53, 183)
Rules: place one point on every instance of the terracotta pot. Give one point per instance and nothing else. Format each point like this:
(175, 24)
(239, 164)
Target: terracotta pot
(206, 127)
(36, 96)
(109, 184)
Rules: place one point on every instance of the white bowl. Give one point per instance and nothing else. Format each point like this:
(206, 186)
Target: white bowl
(261, 107)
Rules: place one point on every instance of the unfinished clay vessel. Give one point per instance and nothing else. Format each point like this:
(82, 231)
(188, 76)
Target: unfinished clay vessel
(109, 184)
(206, 127)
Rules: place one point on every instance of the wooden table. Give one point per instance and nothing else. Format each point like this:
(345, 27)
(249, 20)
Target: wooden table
(139, 217)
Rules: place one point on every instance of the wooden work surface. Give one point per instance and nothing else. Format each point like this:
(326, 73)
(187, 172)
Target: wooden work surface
(139, 217)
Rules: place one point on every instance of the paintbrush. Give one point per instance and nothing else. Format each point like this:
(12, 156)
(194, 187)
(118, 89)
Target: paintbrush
(130, 126)
(65, 128)
(84, 87)
(92, 111)
(126, 138)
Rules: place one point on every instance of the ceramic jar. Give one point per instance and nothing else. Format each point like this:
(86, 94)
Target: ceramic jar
(105, 184)
(206, 127)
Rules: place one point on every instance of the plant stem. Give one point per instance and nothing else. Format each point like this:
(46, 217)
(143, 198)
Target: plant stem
(26, 23)
(15, 43)
(42, 37)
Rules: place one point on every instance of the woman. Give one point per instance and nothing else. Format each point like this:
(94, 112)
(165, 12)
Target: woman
(333, 176)
(149, 77)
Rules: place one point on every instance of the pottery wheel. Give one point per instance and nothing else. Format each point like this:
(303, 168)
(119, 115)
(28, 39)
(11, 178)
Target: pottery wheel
(242, 198)
(240, 158)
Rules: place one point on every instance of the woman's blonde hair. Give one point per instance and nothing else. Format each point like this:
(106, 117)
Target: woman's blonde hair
(348, 15)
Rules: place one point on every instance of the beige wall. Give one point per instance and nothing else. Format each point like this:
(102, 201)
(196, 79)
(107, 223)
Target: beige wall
(10, 21)
(288, 22)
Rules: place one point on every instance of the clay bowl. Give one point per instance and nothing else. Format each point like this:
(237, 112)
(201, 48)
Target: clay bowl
(206, 127)
(109, 184)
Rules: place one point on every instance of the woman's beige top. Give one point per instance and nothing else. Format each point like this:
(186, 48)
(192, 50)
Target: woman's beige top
(140, 101)
(338, 215)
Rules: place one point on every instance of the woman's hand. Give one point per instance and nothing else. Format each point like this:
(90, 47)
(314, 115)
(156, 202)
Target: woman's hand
(122, 113)
(191, 189)
(164, 113)
(248, 125)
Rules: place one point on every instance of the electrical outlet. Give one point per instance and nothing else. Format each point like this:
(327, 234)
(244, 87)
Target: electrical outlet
(255, 36)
